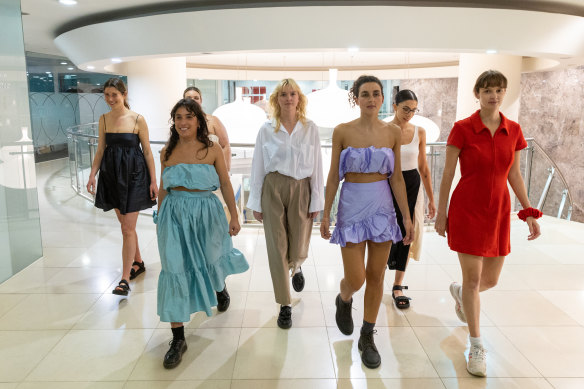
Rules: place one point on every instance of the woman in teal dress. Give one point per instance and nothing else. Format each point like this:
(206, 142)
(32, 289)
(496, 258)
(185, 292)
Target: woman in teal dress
(194, 239)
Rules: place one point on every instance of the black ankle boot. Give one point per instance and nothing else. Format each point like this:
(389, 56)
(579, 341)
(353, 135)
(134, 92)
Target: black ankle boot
(178, 345)
(344, 315)
(223, 300)
(369, 354)
(285, 317)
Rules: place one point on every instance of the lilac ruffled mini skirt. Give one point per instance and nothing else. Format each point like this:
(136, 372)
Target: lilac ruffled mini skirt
(366, 212)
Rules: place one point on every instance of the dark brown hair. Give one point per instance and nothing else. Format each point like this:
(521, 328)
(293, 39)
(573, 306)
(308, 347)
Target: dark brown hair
(120, 86)
(405, 95)
(202, 131)
(190, 88)
(364, 79)
(490, 78)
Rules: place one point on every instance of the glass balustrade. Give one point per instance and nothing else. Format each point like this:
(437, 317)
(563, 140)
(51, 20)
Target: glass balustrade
(547, 188)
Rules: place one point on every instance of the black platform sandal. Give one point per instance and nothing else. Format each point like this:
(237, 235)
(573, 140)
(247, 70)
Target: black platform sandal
(122, 289)
(136, 272)
(402, 302)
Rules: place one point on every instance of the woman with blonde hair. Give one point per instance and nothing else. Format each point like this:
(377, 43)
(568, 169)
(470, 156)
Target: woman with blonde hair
(286, 189)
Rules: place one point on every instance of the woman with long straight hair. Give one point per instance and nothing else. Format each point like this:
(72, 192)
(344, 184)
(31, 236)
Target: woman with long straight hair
(127, 177)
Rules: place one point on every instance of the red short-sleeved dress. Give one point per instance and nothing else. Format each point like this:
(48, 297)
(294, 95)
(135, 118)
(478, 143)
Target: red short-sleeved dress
(479, 215)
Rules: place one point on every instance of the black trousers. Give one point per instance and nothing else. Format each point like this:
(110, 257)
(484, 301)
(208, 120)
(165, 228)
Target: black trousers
(398, 256)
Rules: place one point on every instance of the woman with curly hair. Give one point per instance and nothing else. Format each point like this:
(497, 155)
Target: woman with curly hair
(194, 239)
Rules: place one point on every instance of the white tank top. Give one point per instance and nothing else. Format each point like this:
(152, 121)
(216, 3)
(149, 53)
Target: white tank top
(409, 153)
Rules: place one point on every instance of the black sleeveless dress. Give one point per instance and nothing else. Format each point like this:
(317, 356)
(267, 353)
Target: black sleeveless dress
(124, 179)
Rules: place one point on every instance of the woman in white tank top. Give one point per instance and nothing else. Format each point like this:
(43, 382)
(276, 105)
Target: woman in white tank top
(414, 166)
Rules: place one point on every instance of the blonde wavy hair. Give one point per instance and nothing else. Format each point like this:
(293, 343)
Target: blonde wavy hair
(300, 108)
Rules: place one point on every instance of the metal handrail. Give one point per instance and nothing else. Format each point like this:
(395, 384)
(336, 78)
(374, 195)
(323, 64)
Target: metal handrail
(74, 133)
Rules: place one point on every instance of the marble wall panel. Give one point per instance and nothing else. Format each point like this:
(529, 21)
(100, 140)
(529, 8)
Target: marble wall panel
(552, 112)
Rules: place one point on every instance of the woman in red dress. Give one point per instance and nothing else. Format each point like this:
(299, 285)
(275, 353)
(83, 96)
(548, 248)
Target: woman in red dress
(478, 224)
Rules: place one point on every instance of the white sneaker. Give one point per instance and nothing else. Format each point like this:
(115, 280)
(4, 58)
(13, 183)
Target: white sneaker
(477, 361)
(454, 288)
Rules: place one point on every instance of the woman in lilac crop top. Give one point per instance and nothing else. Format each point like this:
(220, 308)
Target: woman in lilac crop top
(365, 153)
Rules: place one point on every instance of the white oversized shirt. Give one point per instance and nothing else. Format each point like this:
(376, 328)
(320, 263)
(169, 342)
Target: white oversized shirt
(295, 155)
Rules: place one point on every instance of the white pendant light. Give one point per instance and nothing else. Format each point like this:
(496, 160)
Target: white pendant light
(241, 119)
(330, 106)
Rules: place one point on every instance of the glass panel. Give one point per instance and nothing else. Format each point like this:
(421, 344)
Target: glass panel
(20, 232)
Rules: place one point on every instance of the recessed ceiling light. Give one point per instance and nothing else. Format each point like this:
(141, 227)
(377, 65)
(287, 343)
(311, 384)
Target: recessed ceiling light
(68, 2)
(353, 49)
(70, 68)
(48, 72)
(89, 67)
(63, 63)
(116, 60)
(491, 51)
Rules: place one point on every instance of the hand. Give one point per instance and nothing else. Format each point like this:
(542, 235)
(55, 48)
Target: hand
(431, 210)
(324, 228)
(534, 231)
(409, 227)
(258, 216)
(234, 226)
(313, 215)
(91, 185)
(153, 191)
(440, 224)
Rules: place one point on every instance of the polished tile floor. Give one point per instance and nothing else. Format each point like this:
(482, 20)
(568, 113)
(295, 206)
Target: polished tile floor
(60, 326)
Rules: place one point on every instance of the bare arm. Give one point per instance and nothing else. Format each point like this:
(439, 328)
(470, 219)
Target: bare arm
(91, 184)
(145, 141)
(332, 182)
(221, 133)
(518, 186)
(162, 192)
(226, 189)
(452, 153)
(398, 187)
(425, 173)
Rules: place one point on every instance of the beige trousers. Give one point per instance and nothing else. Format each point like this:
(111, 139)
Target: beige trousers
(287, 226)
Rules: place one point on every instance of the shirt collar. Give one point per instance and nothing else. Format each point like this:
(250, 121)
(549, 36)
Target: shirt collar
(478, 125)
(273, 123)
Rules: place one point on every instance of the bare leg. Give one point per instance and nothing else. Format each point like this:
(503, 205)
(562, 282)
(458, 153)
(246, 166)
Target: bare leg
(354, 266)
(472, 267)
(130, 241)
(375, 273)
(175, 325)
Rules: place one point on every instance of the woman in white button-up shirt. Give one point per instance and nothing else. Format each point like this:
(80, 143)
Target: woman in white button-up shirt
(287, 190)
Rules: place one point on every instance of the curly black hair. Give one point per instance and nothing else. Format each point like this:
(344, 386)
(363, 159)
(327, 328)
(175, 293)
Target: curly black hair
(202, 131)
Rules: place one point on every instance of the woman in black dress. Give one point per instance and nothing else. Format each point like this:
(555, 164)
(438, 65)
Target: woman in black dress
(127, 177)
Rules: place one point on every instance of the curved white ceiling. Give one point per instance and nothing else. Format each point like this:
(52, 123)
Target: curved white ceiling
(373, 28)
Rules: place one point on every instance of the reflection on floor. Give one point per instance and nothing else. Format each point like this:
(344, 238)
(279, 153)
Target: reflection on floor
(60, 326)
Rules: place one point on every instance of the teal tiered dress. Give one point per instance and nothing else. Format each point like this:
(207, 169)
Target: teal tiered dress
(195, 247)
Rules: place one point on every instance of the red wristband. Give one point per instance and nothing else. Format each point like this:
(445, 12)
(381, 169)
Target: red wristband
(529, 212)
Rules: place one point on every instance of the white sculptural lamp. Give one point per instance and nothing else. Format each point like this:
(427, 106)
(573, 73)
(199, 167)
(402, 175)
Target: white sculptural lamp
(330, 106)
(241, 119)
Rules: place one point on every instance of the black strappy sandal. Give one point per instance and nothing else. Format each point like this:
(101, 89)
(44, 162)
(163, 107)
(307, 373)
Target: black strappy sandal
(136, 272)
(402, 302)
(122, 289)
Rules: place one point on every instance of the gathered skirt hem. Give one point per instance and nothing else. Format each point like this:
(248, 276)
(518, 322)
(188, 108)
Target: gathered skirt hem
(182, 294)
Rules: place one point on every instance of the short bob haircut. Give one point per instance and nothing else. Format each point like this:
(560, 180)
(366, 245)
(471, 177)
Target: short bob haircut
(302, 102)
(489, 79)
